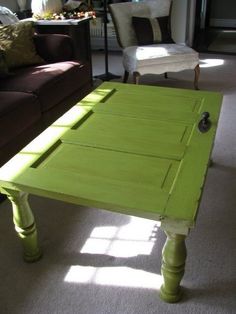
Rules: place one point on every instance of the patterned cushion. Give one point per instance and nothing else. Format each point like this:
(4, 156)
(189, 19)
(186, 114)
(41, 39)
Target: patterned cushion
(16, 41)
(152, 30)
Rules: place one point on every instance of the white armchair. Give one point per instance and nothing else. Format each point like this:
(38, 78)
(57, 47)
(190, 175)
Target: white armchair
(143, 32)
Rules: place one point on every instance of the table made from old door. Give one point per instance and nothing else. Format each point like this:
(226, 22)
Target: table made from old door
(133, 149)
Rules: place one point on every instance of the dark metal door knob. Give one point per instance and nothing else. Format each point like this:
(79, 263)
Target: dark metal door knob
(205, 123)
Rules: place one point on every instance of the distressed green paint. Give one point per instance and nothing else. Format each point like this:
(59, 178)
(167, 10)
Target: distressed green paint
(173, 262)
(24, 225)
(126, 148)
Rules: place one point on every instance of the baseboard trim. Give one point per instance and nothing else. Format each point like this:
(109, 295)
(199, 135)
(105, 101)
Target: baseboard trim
(223, 22)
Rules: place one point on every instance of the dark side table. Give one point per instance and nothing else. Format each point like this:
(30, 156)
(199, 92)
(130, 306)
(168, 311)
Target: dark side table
(78, 30)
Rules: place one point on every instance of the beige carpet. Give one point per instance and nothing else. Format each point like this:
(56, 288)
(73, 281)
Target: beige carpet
(224, 42)
(97, 262)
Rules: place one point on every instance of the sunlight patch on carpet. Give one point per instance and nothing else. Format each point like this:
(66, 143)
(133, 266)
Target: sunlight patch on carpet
(135, 238)
(209, 63)
(114, 276)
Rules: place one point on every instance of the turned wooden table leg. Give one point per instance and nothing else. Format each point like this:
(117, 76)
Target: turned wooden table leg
(136, 77)
(196, 76)
(24, 225)
(173, 262)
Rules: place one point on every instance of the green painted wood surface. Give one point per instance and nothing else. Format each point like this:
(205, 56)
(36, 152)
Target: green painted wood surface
(127, 148)
(132, 149)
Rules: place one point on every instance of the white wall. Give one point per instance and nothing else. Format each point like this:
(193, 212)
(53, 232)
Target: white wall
(182, 20)
(12, 4)
(179, 20)
(190, 26)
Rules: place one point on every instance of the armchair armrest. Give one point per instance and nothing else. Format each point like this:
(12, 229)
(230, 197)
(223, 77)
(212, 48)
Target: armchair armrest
(54, 47)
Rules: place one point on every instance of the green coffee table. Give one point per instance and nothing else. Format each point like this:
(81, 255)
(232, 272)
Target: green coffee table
(138, 150)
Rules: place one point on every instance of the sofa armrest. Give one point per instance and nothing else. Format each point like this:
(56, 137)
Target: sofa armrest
(54, 47)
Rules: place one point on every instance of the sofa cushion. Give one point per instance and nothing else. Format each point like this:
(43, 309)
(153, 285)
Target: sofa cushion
(51, 83)
(18, 111)
(54, 47)
(16, 40)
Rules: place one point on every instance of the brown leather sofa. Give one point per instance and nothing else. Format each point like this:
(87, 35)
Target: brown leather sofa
(35, 96)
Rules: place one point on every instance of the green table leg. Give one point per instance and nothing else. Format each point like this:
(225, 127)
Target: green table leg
(24, 224)
(173, 261)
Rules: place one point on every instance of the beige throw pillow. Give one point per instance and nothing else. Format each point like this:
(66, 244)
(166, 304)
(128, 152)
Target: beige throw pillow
(16, 42)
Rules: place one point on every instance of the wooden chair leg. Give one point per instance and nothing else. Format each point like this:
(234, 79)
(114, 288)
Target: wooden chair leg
(136, 77)
(126, 76)
(196, 77)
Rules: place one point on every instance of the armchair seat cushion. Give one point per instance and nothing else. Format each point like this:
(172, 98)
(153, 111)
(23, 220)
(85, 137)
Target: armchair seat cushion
(159, 58)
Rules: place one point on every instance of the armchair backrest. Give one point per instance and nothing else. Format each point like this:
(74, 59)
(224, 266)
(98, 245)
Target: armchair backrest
(122, 17)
